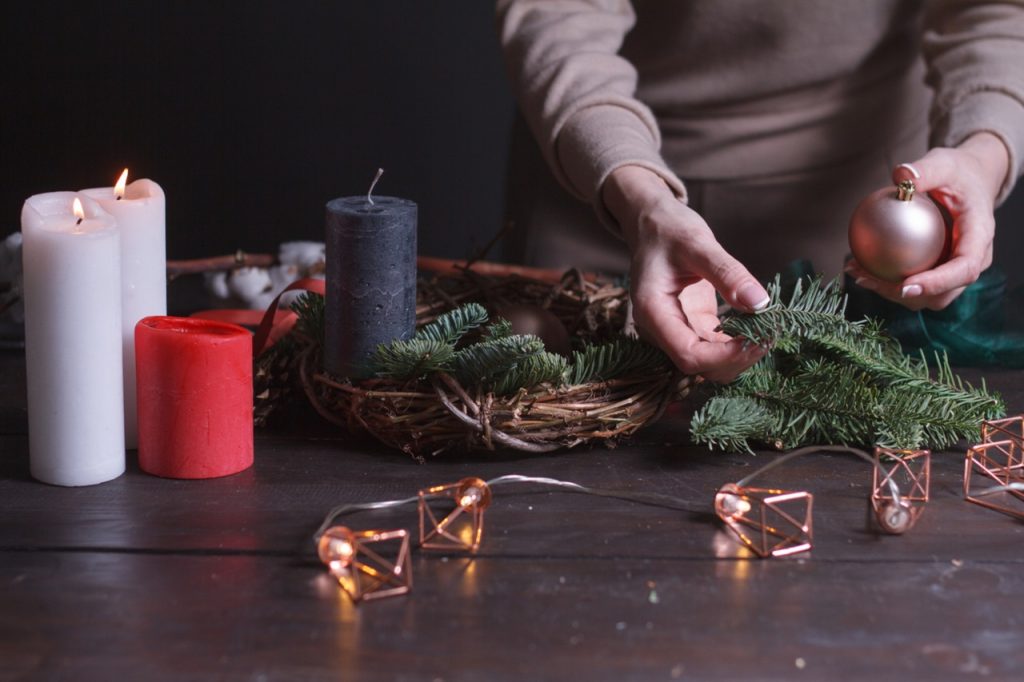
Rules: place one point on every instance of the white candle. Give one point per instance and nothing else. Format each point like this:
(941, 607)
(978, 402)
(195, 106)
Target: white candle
(72, 282)
(140, 215)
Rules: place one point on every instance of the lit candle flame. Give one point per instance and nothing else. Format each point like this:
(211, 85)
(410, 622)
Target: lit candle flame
(76, 208)
(120, 185)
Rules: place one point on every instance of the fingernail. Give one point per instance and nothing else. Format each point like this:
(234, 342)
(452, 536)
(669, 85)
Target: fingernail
(911, 290)
(865, 283)
(910, 168)
(752, 295)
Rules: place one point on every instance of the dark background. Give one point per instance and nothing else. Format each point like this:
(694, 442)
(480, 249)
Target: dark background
(252, 115)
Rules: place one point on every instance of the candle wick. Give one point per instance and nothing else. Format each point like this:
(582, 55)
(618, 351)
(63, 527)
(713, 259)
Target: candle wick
(79, 221)
(119, 197)
(369, 193)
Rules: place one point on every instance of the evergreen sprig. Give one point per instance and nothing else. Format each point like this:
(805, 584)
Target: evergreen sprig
(413, 358)
(534, 370)
(830, 380)
(813, 309)
(498, 329)
(480, 363)
(607, 361)
(451, 326)
(432, 348)
(309, 308)
(504, 362)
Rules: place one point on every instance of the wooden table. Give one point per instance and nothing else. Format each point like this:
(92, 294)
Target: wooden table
(149, 579)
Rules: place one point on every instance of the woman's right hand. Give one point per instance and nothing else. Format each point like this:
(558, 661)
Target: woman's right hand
(677, 265)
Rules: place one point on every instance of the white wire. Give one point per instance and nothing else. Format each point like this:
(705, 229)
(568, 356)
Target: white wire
(1009, 487)
(893, 487)
(518, 478)
(343, 509)
(656, 499)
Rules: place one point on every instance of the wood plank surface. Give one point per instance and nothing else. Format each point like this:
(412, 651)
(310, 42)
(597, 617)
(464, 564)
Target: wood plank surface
(107, 616)
(148, 578)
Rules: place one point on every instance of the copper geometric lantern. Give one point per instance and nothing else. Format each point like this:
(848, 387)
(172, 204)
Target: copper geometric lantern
(357, 559)
(462, 527)
(769, 522)
(1011, 428)
(1000, 463)
(900, 487)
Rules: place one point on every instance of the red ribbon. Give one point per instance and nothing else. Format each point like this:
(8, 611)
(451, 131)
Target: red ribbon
(274, 323)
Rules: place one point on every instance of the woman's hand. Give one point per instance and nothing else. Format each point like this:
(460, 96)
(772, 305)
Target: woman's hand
(676, 267)
(966, 181)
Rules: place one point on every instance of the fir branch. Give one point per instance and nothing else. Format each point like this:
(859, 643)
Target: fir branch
(818, 400)
(498, 329)
(309, 308)
(811, 307)
(431, 349)
(534, 370)
(833, 381)
(450, 327)
(480, 363)
(731, 422)
(411, 359)
(607, 361)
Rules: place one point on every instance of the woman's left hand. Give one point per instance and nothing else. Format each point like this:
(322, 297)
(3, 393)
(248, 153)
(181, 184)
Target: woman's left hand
(966, 180)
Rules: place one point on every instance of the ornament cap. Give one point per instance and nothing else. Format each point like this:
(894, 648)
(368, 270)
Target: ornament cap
(905, 190)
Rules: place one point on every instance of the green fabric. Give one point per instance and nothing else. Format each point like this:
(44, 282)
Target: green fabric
(984, 326)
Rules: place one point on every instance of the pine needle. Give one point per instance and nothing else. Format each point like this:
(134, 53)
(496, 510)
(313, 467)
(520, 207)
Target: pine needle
(532, 371)
(450, 327)
(309, 308)
(481, 363)
(412, 359)
(504, 362)
(616, 358)
(832, 381)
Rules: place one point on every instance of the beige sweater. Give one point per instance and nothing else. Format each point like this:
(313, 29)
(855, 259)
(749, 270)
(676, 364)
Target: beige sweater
(730, 89)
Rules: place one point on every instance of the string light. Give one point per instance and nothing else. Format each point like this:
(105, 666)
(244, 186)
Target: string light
(362, 564)
(896, 513)
(770, 522)
(999, 458)
(472, 497)
(773, 523)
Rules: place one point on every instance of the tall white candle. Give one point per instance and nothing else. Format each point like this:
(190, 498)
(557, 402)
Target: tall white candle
(72, 283)
(140, 215)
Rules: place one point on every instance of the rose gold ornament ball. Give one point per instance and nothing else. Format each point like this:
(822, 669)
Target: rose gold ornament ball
(895, 233)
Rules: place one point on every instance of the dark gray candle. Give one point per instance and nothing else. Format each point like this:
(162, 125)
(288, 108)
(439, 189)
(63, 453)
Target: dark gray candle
(371, 279)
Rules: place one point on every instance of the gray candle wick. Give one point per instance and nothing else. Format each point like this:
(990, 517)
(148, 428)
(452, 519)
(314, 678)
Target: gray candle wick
(380, 172)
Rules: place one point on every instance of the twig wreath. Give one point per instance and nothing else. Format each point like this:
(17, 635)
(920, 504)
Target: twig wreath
(468, 380)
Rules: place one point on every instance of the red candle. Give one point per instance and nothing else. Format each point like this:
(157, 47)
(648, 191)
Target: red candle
(194, 380)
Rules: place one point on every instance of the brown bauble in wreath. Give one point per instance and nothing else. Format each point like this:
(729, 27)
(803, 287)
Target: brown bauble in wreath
(895, 234)
(542, 323)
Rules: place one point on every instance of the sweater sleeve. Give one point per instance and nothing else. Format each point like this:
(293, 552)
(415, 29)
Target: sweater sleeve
(577, 93)
(975, 56)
